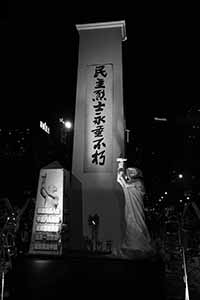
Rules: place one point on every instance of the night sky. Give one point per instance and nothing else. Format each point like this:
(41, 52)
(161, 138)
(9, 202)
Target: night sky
(40, 52)
(160, 67)
(4, 12)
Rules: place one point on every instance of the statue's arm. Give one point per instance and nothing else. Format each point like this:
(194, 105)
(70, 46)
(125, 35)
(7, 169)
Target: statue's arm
(121, 177)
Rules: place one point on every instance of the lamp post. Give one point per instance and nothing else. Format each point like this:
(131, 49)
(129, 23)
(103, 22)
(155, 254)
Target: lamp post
(65, 136)
(65, 129)
(93, 222)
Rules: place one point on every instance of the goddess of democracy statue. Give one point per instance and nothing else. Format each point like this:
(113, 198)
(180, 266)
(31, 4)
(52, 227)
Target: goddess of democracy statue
(136, 239)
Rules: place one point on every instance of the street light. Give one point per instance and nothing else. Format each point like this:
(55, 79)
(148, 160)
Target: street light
(66, 127)
(68, 124)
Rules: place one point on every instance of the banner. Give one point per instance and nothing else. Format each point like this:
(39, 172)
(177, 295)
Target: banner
(98, 124)
(48, 217)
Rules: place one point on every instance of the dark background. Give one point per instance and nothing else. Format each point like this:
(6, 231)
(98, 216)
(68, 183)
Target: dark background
(40, 52)
(160, 74)
(4, 12)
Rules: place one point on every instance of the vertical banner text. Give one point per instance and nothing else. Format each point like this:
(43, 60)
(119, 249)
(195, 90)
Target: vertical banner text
(98, 126)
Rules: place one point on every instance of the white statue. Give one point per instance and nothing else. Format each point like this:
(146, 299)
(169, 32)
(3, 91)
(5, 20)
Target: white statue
(136, 238)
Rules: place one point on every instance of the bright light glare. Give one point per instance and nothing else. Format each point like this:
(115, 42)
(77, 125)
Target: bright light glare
(160, 119)
(180, 176)
(68, 124)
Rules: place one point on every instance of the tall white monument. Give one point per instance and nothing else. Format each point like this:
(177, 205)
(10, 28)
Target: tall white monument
(98, 131)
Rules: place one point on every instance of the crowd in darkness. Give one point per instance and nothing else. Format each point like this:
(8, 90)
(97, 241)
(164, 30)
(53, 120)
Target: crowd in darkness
(16, 224)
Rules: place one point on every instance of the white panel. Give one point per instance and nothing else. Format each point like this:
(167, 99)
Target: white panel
(48, 217)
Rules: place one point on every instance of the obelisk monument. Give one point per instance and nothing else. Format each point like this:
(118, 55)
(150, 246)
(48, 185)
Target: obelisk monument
(98, 131)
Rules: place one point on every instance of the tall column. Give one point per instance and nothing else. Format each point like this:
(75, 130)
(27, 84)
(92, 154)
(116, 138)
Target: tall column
(98, 130)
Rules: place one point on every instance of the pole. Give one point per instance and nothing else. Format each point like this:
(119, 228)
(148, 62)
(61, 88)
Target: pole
(185, 276)
(126, 142)
(184, 261)
(2, 285)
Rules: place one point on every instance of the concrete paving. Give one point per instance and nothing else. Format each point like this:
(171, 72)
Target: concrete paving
(87, 276)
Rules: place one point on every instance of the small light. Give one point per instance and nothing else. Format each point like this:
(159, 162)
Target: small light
(181, 200)
(68, 125)
(160, 119)
(180, 176)
(165, 193)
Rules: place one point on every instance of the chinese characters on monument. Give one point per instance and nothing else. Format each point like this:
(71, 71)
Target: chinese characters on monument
(99, 118)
